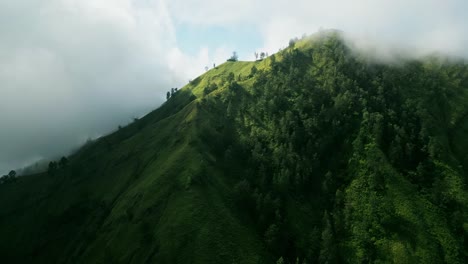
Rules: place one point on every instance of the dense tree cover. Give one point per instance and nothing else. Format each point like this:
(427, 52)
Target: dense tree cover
(313, 155)
(366, 144)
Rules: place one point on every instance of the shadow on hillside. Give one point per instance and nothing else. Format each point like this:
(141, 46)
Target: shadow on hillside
(177, 102)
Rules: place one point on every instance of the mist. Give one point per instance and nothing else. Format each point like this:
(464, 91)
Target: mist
(72, 70)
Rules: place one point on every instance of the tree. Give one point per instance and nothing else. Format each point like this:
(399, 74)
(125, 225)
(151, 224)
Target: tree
(253, 71)
(52, 168)
(242, 192)
(209, 88)
(313, 246)
(292, 43)
(11, 177)
(273, 59)
(328, 250)
(172, 91)
(234, 57)
(272, 236)
(262, 55)
(63, 162)
(230, 77)
(206, 68)
(12, 174)
(168, 95)
(256, 55)
(229, 110)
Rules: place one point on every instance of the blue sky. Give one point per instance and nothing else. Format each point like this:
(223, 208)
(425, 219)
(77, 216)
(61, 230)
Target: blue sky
(80, 68)
(192, 38)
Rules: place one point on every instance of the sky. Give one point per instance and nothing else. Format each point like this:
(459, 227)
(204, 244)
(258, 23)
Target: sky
(71, 70)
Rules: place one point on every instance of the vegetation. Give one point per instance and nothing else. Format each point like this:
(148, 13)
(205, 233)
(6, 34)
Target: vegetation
(234, 57)
(313, 155)
(262, 55)
(9, 178)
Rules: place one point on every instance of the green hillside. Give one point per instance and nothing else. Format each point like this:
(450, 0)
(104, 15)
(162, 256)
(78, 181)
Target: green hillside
(313, 155)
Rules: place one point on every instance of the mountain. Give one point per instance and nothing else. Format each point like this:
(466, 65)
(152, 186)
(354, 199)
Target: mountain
(316, 154)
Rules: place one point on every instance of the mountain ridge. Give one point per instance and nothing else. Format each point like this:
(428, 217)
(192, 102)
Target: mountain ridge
(312, 155)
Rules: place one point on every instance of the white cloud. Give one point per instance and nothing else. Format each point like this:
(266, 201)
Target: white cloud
(72, 69)
(76, 68)
(427, 25)
(189, 66)
(400, 22)
(205, 12)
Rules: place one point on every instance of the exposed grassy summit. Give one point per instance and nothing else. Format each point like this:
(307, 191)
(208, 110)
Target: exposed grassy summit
(313, 155)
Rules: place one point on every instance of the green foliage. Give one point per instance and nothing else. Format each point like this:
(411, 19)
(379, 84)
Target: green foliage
(280, 261)
(52, 168)
(12, 174)
(328, 252)
(210, 88)
(9, 178)
(253, 71)
(313, 155)
(234, 57)
(230, 77)
(63, 162)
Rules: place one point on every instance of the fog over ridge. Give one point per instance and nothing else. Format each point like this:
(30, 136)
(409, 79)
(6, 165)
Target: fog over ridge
(72, 70)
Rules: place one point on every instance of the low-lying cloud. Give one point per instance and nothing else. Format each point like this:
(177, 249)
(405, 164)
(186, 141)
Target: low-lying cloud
(70, 70)
(75, 69)
(424, 25)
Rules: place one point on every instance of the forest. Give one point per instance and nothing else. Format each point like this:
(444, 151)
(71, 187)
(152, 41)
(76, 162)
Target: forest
(315, 154)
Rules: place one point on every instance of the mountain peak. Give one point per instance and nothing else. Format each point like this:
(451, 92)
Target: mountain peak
(312, 155)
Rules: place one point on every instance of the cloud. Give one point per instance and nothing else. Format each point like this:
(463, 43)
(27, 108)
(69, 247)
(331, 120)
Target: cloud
(423, 25)
(188, 66)
(224, 12)
(73, 69)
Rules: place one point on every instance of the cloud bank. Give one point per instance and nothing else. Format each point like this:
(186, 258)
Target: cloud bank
(70, 70)
(75, 69)
(424, 25)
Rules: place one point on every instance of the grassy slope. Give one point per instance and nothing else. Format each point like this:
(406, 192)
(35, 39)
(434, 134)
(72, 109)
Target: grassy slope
(155, 191)
(143, 193)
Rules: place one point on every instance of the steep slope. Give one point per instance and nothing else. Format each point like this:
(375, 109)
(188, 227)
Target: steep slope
(314, 154)
(138, 195)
